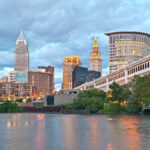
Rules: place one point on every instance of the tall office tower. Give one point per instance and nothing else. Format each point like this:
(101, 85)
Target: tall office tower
(127, 47)
(21, 54)
(95, 60)
(68, 66)
(79, 76)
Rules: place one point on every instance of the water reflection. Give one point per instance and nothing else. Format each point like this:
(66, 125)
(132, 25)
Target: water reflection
(110, 147)
(10, 124)
(74, 132)
(95, 132)
(133, 136)
(69, 132)
(40, 116)
(40, 137)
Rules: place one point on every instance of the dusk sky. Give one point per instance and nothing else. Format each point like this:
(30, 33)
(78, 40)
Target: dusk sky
(58, 28)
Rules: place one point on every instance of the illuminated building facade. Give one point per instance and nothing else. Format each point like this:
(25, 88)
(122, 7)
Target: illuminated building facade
(68, 66)
(95, 60)
(11, 90)
(127, 47)
(21, 54)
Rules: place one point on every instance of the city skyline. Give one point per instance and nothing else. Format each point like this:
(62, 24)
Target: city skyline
(67, 31)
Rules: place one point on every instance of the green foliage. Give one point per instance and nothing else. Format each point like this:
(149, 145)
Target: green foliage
(146, 101)
(141, 88)
(135, 92)
(133, 108)
(120, 93)
(112, 107)
(9, 107)
(92, 100)
(19, 100)
(28, 100)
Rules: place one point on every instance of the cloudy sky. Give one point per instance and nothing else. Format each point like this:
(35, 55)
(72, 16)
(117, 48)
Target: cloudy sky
(58, 28)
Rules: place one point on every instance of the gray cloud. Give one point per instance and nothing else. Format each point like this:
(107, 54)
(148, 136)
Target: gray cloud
(55, 29)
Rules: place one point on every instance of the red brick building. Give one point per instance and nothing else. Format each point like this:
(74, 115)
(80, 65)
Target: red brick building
(43, 79)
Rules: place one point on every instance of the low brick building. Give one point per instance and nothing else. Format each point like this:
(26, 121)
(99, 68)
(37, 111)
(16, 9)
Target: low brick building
(43, 79)
(11, 90)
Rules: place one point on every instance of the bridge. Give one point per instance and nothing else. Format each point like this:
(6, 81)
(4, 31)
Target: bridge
(121, 76)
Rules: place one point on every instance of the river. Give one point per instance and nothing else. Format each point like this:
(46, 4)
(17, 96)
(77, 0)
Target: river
(74, 132)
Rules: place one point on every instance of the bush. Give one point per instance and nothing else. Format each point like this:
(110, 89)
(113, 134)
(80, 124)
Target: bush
(9, 107)
(112, 107)
(19, 100)
(133, 108)
(92, 100)
(29, 100)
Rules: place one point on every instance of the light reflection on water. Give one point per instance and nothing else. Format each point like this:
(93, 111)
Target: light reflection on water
(40, 137)
(74, 132)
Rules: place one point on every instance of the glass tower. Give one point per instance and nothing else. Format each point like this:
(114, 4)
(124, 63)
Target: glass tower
(127, 47)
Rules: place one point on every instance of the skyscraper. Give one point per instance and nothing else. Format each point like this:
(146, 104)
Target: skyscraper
(68, 66)
(79, 76)
(127, 47)
(21, 54)
(95, 60)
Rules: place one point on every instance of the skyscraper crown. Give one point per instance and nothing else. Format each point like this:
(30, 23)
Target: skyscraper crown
(95, 52)
(21, 38)
(95, 42)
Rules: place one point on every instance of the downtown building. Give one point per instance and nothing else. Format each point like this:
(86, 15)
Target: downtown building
(38, 83)
(68, 66)
(24, 82)
(95, 60)
(126, 48)
(21, 61)
(80, 75)
(12, 90)
(43, 79)
(74, 75)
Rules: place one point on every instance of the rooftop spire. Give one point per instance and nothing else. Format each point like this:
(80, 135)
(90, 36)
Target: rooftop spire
(21, 38)
(95, 52)
(95, 42)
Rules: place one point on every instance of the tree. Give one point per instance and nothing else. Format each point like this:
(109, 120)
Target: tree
(116, 90)
(141, 89)
(92, 100)
(120, 92)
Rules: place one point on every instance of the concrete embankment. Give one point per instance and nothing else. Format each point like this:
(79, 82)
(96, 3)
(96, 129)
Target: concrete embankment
(58, 109)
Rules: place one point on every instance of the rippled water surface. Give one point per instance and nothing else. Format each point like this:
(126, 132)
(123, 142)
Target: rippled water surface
(74, 132)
